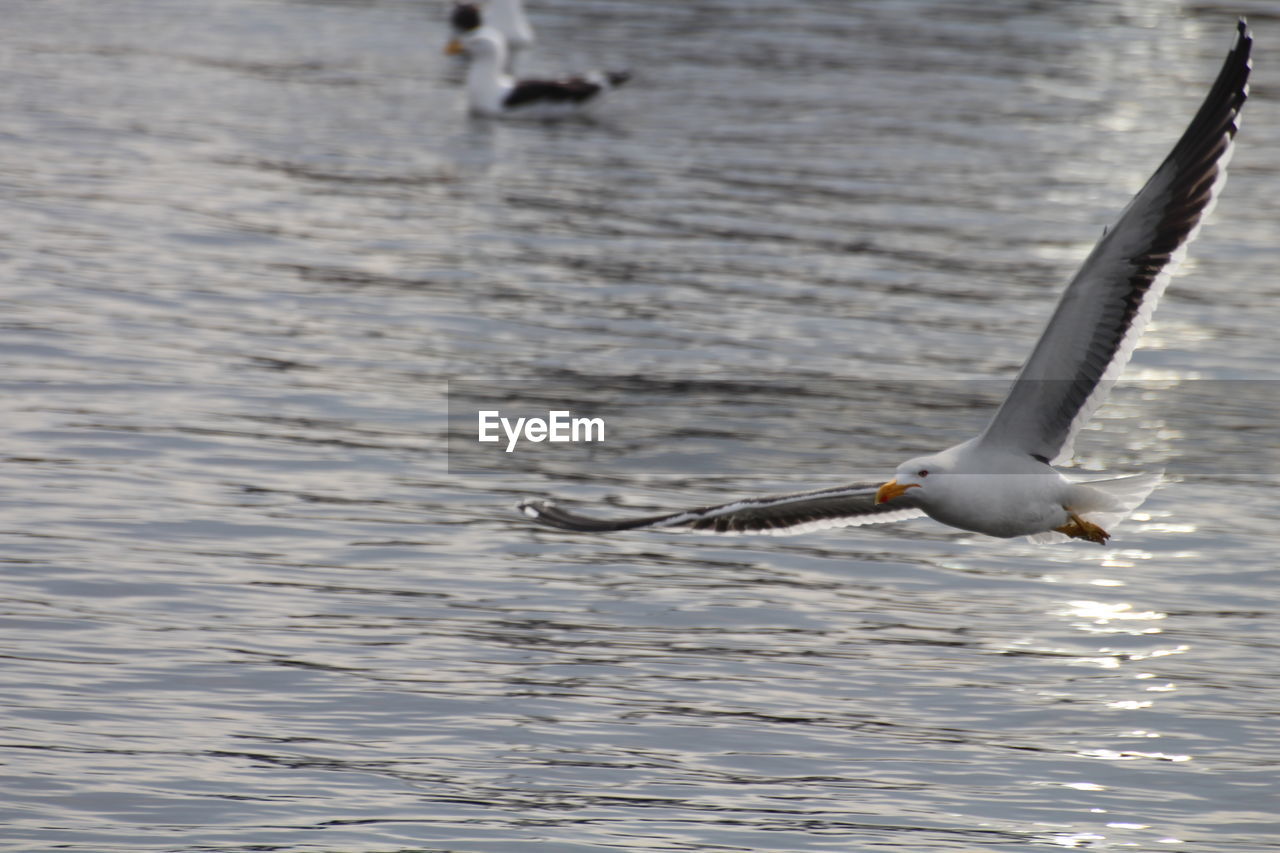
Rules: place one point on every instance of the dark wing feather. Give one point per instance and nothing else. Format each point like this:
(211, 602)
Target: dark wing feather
(781, 515)
(569, 90)
(1102, 314)
(573, 90)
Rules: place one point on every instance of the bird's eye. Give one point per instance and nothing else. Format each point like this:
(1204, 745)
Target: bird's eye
(923, 472)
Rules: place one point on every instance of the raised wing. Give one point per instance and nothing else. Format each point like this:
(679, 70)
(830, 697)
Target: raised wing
(778, 515)
(1106, 306)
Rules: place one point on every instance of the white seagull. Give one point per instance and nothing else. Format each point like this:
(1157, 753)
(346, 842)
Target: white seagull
(493, 92)
(505, 16)
(1001, 482)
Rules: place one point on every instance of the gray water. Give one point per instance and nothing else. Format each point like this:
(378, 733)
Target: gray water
(248, 604)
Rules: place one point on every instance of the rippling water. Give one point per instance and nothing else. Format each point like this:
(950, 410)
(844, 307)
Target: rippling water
(248, 604)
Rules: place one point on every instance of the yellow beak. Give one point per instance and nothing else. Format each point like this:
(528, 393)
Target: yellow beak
(454, 47)
(892, 489)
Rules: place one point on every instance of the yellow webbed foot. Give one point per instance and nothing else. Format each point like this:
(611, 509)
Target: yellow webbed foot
(1078, 528)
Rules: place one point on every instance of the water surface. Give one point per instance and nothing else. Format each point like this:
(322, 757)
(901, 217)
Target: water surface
(248, 604)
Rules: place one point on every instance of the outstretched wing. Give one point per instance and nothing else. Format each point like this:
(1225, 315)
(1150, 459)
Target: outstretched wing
(777, 515)
(1102, 314)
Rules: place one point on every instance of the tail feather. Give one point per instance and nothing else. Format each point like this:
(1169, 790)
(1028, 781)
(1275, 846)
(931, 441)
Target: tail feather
(1106, 503)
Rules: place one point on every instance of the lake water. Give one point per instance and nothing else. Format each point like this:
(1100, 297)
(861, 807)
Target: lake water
(248, 603)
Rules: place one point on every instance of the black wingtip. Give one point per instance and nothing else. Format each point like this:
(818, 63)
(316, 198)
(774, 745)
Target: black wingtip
(536, 510)
(548, 514)
(1244, 38)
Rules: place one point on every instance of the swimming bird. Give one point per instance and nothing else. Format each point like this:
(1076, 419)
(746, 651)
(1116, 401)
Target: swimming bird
(1001, 482)
(493, 92)
(505, 16)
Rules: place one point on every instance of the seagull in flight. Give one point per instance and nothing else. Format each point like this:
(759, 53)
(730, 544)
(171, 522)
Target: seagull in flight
(1002, 482)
